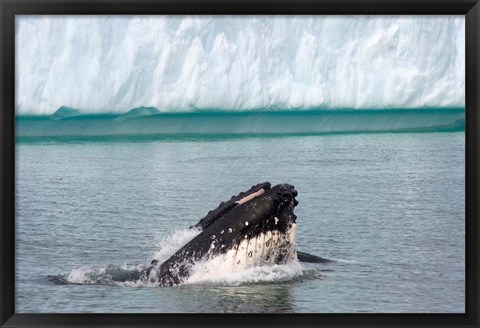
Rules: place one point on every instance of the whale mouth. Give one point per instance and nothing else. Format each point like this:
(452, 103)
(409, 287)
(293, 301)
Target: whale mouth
(266, 248)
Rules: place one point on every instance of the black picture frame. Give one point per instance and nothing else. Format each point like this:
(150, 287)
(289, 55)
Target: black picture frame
(10, 8)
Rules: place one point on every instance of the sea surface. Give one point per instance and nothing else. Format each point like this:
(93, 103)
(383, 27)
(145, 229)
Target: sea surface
(388, 208)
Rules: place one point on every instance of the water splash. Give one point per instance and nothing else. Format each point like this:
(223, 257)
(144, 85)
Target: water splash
(214, 273)
(114, 275)
(204, 272)
(169, 245)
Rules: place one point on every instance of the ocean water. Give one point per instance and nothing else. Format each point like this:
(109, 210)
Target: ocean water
(131, 128)
(387, 208)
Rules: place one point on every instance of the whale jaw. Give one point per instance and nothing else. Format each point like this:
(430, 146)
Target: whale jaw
(271, 247)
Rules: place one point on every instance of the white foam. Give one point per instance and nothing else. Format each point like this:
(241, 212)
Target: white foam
(83, 275)
(215, 272)
(171, 244)
(184, 63)
(108, 275)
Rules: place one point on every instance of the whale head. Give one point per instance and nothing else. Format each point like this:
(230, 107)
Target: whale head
(253, 228)
(260, 230)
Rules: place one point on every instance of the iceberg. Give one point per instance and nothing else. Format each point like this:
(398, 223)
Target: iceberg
(111, 64)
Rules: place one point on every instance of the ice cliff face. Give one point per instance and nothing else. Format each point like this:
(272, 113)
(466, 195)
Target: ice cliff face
(185, 63)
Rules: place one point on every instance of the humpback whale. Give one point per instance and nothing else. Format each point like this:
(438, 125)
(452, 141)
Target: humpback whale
(255, 227)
